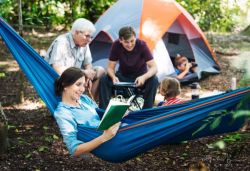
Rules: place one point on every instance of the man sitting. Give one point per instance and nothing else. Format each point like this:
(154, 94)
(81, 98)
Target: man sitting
(72, 50)
(136, 65)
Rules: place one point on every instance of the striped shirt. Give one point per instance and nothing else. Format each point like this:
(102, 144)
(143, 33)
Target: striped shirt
(173, 100)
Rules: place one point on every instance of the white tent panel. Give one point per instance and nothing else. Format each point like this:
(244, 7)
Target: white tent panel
(163, 61)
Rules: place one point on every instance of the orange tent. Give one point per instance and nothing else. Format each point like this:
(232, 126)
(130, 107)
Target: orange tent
(167, 28)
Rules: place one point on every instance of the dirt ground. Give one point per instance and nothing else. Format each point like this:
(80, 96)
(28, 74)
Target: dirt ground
(36, 144)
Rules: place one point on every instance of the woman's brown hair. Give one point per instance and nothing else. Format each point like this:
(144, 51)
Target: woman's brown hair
(68, 78)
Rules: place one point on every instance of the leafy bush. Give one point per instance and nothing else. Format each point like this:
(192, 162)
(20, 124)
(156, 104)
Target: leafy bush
(209, 14)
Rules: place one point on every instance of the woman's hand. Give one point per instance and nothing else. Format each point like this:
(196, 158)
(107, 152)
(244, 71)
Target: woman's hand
(91, 145)
(111, 132)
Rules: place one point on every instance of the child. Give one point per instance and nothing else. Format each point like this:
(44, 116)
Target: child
(183, 66)
(170, 89)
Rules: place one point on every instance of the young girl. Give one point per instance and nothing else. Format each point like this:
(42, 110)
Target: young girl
(77, 109)
(170, 89)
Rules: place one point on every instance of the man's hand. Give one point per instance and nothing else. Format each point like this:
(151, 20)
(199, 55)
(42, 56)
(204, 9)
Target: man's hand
(89, 84)
(115, 80)
(90, 73)
(140, 81)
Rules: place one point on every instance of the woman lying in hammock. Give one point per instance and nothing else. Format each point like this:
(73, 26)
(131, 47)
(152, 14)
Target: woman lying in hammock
(77, 109)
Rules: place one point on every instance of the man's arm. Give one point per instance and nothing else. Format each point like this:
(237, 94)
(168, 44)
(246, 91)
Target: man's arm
(88, 70)
(88, 66)
(152, 70)
(111, 71)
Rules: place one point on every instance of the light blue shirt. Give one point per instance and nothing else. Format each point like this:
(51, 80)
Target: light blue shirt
(63, 51)
(68, 117)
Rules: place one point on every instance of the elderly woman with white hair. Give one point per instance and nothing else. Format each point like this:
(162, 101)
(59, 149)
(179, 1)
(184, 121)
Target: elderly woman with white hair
(72, 50)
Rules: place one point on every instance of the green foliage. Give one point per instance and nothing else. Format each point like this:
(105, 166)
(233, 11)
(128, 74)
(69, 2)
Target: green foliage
(233, 137)
(245, 81)
(7, 9)
(43, 148)
(246, 31)
(212, 15)
(212, 122)
(219, 144)
(2, 74)
(96, 8)
(230, 138)
(50, 13)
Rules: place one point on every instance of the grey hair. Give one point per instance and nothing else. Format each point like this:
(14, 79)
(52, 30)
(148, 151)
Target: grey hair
(82, 24)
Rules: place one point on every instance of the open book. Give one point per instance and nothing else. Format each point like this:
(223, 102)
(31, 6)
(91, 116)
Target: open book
(114, 113)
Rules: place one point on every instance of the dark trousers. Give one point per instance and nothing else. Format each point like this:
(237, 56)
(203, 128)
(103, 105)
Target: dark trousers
(106, 85)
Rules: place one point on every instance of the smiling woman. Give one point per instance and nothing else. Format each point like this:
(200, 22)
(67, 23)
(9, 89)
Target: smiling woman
(77, 109)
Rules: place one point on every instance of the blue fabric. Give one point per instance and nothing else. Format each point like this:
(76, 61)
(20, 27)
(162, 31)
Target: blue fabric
(147, 128)
(68, 117)
(36, 69)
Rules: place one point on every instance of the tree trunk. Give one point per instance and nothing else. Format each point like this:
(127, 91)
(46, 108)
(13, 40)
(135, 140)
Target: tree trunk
(20, 95)
(3, 132)
(3, 138)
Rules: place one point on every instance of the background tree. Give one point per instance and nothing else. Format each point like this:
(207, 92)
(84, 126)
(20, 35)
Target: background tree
(213, 15)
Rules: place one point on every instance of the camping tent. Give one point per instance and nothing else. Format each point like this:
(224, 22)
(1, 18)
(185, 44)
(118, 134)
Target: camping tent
(167, 28)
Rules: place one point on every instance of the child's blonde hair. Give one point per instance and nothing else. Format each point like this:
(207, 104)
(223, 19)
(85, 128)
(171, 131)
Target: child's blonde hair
(170, 87)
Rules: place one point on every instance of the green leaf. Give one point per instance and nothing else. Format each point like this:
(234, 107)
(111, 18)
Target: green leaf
(241, 113)
(200, 129)
(220, 144)
(11, 126)
(2, 74)
(216, 123)
(28, 156)
(45, 128)
(184, 154)
(43, 148)
(55, 137)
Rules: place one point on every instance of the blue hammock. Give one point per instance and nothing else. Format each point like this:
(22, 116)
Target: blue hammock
(146, 129)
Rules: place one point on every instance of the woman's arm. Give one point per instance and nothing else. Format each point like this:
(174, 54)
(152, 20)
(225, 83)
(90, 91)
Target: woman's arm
(91, 145)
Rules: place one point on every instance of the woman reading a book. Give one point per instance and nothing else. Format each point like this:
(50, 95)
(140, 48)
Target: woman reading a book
(77, 109)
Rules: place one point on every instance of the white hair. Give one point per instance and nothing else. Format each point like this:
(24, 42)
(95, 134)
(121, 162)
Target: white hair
(82, 24)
